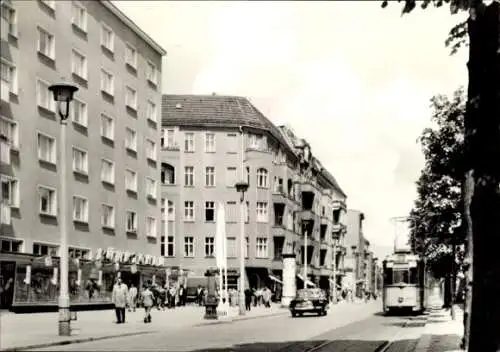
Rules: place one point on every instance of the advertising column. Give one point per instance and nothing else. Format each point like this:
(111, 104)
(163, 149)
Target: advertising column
(289, 287)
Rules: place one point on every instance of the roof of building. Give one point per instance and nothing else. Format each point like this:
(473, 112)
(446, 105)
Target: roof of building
(215, 111)
(131, 24)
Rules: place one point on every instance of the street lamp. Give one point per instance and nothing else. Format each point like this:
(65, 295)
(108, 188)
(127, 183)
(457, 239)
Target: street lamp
(242, 187)
(63, 95)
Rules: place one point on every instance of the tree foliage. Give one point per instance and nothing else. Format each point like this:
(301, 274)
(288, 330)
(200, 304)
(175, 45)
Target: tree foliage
(436, 217)
(457, 37)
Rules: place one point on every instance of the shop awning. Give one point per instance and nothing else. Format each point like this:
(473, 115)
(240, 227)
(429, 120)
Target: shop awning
(308, 282)
(274, 278)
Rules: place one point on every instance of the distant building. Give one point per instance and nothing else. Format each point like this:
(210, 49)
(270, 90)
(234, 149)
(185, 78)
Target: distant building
(209, 143)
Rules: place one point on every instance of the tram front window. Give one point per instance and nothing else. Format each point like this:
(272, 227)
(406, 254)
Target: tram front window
(401, 276)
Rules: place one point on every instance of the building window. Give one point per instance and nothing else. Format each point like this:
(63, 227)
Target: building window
(75, 253)
(231, 176)
(189, 246)
(79, 64)
(170, 246)
(8, 76)
(10, 191)
(80, 209)
(151, 187)
(107, 82)
(9, 131)
(131, 180)
(131, 139)
(151, 112)
(46, 44)
(151, 227)
(232, 143)
(168, 138)
(46, 148)
(189, 176)
(232, 213)
(44, 97)
(151, 73)
(107, 171)
(108, 216)
(262, 179)
(262, 214)
(189, 210)
(209, 211)
(9, 15)
(79, 16)
(209, 246)
(107, 37)
(11, 245)
(231, 247)
(47, 201)
(171, 211)
(254, 142)
(79, 109)
(107, 127)
(131, 221)
(189, 142)
(278, 247)
(45, 249)
(80, 161)
(131, 98)
(247, 173)
(131, 56)
(150, 150)
(261, 247)
(210, 176)
(210, 142)
(167, 174)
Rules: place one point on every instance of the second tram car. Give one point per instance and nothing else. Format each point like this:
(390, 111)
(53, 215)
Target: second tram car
(404, 282)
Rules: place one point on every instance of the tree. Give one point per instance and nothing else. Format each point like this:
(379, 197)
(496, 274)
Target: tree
(436, 218)
(481, 166)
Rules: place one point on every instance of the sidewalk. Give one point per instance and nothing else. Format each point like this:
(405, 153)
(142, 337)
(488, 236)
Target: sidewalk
(28, 331)
(441, 333)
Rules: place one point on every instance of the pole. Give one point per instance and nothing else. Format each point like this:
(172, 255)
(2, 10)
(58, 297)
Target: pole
(334, 272)
(241, 299)
(453, 278)
(64, 314)
(305, 259)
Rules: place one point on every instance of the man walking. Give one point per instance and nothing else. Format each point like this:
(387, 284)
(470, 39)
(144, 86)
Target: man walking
(119, 299)
(132, 298)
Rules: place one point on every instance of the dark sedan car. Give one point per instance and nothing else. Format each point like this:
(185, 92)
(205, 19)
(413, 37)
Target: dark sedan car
(312, 300)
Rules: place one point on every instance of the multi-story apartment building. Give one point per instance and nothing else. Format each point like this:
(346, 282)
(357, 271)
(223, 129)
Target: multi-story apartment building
(113, 132)
(209, 144)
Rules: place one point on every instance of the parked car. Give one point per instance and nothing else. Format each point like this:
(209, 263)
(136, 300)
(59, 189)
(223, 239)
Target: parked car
(310, 300)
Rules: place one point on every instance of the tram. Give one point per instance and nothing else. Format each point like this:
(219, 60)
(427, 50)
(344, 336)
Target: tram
(404, 283)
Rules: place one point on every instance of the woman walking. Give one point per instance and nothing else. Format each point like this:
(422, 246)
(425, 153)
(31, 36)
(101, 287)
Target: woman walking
(147, 302)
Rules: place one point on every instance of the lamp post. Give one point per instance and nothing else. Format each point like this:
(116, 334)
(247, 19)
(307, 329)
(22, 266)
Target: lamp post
(334, 274)
(242, 187)
(63, 95)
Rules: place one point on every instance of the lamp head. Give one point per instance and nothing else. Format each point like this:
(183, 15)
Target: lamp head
(63, 95)
(241, 187)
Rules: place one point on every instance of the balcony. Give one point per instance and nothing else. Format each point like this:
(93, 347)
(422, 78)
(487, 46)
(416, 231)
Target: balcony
(338, 205)
(5, 90)
(336, 228)
(5, 152)
(279, 194)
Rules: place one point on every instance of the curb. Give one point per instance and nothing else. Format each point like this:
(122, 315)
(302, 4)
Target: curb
(234, 320)
(138, 333)
(70, 342)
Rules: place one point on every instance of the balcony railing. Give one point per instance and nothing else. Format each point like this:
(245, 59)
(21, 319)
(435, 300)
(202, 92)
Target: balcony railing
(5, 152)
(5, 90)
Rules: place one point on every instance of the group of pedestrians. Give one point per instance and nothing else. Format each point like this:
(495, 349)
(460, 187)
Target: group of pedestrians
(152, 295)
(258, 297)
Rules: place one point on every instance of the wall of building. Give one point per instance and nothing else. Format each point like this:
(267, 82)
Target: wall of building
(21, 52)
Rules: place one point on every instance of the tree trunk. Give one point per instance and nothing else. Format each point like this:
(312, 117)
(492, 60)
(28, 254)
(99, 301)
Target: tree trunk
(482, 131)
(467, 191)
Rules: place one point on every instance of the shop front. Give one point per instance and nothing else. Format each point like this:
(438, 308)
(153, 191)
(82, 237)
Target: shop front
(36, 279)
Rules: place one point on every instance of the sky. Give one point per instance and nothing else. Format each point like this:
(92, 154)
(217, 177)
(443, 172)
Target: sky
(351, 78)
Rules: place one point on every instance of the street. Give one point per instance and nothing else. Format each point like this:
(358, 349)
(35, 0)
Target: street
(348, 327)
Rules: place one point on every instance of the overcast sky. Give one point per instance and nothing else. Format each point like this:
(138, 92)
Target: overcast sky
(351, 78)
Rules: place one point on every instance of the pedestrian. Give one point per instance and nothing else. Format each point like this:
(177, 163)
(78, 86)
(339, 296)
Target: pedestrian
(181, 295)
(132, 298)
(147, 302)
(172, 293)
(119, 299)
(248, 299)
(266, 297)
(199, 295)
